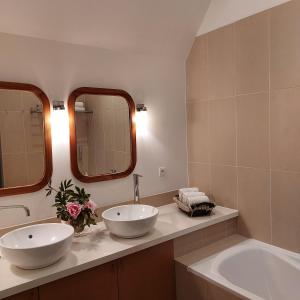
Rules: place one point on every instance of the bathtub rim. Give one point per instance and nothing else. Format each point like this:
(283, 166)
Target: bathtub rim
(208, 265)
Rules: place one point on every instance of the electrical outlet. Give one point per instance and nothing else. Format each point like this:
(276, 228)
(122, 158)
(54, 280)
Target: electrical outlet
(161, 171)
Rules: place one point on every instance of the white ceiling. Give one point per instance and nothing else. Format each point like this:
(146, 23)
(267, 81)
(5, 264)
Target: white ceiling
(140, 25)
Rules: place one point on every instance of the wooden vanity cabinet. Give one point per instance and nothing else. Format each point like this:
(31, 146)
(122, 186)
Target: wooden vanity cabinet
(148, 275)
(96, 283)
(27, 295)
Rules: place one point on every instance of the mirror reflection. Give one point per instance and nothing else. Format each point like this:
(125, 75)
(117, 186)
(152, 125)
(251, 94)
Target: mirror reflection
(103, 138)
(22, 153)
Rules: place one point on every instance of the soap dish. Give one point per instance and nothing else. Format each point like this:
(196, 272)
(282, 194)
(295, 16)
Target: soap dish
(202, 209)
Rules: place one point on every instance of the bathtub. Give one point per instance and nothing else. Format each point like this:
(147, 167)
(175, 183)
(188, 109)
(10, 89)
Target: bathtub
(253, 270)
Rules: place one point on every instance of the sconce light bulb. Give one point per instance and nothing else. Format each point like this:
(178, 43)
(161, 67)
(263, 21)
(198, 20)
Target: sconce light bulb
(141, 120)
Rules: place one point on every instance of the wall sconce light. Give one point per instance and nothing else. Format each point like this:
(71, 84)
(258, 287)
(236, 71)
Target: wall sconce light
(141, 120)
(58, 105)
(141, 107)
(59, 124)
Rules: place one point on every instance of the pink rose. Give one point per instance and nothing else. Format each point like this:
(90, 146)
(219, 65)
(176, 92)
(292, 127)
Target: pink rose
(91, 205)
(74, 210)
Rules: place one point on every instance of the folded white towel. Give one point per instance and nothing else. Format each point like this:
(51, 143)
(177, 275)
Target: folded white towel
(79, 104)
(79, 109)
(185, 196)
(187, 190)
(194, 200)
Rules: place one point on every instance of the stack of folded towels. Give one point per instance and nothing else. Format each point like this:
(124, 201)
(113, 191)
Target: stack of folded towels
(79, 106)
(191, 197)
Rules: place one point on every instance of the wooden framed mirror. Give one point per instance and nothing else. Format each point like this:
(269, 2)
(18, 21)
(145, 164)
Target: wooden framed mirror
(102, 134)
(25, 139)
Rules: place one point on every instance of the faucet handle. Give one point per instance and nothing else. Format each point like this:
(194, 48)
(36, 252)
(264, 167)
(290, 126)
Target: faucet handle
(137, 175)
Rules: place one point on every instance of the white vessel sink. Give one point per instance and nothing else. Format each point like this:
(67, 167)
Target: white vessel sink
(130, 221)
(37, 246)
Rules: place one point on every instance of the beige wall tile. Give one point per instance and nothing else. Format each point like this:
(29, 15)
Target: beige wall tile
(14, 170)
(197, 132)
(285, 128)
(224, 185)
(222, 123)
(121, 118)
(253, 130)
(197, 71)
(188, 243)
(285, 45)
(160, 199)
(10, 100)
(121, 160)
(221, 62)
(199, 176)
(214, 233)
(251, 125)
(30, 101)
(252, 54)
(254, 203)
(36, 167)
(34, 132)
(13, 137)
(232, 226)
(81, 122)
(203, 237)
(285, 210)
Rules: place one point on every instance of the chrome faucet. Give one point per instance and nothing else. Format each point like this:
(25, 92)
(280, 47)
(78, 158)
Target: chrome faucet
(16, 206)
(136, 190)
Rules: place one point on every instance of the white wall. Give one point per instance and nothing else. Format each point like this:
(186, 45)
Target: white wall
(153, 79)
(224, 12)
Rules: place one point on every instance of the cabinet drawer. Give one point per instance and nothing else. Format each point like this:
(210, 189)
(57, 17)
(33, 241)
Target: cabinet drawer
(28, 295)
(148, 274)
(97, 283)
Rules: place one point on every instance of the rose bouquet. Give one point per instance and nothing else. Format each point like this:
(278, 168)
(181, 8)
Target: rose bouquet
(73, 205)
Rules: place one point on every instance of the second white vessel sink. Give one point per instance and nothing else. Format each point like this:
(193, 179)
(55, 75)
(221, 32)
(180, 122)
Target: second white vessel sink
(130, 221)
(37, 246)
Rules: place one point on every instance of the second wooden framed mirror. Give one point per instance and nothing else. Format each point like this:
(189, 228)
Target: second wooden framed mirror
(102, 134)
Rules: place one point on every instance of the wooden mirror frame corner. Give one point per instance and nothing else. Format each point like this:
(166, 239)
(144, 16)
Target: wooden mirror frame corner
(47, 139)
(73, 141)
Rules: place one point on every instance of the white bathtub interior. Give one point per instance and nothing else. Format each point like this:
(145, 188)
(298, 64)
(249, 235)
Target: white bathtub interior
(253, 270)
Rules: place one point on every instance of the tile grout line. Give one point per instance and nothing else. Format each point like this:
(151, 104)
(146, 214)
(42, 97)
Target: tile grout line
(236, 117)
(228, 97)
(247, 167)
(186, 128)
(269, 130)
(247, 94)
(209, 122)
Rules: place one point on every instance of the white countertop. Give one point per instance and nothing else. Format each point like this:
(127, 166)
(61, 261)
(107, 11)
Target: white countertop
(99, 247)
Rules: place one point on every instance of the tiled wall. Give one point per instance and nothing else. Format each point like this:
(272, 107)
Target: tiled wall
(204, 237)
(22, 138)
(243, 106)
